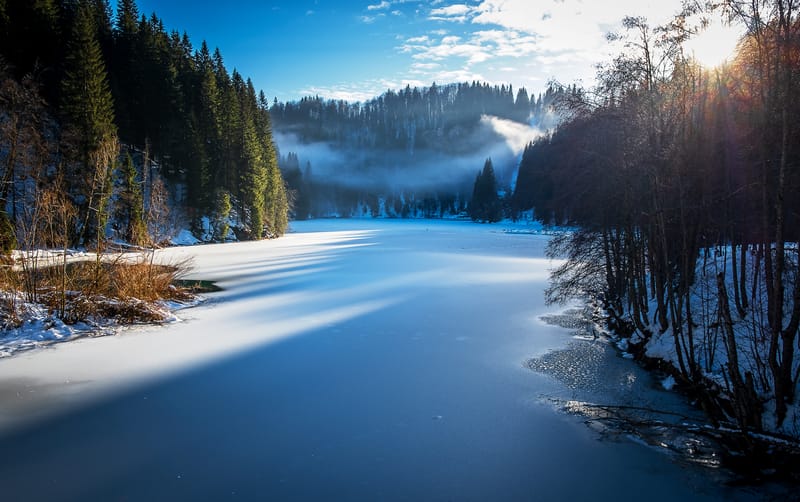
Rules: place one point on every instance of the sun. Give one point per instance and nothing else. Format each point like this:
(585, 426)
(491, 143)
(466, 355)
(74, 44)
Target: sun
(714, 45)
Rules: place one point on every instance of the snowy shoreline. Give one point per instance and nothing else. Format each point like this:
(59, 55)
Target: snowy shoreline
(41, 329)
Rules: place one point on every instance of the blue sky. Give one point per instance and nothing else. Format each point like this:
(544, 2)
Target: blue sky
(356, 50)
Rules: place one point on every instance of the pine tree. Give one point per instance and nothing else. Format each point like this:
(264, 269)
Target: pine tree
(130, 205)
(88, 111)
(522, 106)
(127, 18)
(253, 168)
(125, 74)
(87, 102)
(230, 131)
(208, 130)
(221, 215)
(485, 205)
(101, 10)
(276, 199)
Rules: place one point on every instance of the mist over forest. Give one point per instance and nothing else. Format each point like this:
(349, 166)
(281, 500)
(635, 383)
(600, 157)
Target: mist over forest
(412, 153)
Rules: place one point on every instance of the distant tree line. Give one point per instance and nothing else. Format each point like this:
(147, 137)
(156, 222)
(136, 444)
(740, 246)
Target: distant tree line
(685, 184)
(401, 130)
(435, 117)
(83, 88)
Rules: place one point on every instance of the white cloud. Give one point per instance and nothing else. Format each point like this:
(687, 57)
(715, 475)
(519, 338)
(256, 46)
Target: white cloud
(419, 40)
(426, 66)
(508, 43)
(450, 46)
(568, 15)
(522, 42)
(479, 47)
(381, 6)
(457, 10)
(562, 39)
(458, 75)
(558, 25)
(388, 4)
(457, 13)
(371, 19)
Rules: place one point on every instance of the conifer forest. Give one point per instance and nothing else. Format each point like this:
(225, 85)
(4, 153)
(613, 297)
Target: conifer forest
(90, 96)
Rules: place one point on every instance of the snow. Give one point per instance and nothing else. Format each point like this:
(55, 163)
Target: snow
(355, 359)
(39, 330)
(184, 238)
(709, 342)
(44, 256)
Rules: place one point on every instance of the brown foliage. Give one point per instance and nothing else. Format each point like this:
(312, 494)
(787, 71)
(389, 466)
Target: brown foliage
(123, 290)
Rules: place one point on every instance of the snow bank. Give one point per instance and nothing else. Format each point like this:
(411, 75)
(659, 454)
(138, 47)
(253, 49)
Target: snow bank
(41, 328)
(39, 331)
(185, 238)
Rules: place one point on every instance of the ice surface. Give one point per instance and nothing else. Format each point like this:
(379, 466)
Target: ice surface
(369, 360)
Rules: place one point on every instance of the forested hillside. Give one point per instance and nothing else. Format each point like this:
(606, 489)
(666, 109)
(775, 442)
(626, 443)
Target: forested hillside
(685, 182)
(106, 110)
(410, 153)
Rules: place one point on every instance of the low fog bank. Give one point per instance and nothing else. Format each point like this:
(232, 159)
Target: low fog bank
(450, 169)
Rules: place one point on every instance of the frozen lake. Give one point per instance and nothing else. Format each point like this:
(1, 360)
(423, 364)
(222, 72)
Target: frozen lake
(370, 360)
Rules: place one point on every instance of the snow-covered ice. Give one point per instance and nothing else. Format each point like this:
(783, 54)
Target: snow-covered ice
(366, 359)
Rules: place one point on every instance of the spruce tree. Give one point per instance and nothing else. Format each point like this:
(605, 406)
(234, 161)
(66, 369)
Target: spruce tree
(101, 10)
(252, 166)
(124, 71)
(127, 18)
(130, 205)
(87, 104)
(88, 111)
(221, 215)
(485, 205)
(208, 130)
(276, 200)
(522, 106)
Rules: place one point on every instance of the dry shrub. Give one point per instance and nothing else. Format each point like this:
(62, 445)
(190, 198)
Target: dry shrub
(9, 317)
(123, 311)
(124, 289)
(9, 278)
(146, 280)
(118, 279)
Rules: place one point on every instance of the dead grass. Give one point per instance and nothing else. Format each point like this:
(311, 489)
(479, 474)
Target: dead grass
(124, 290)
